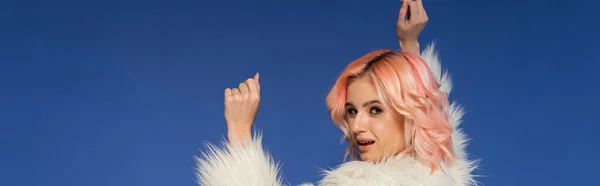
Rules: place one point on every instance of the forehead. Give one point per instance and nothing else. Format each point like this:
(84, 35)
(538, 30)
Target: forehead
(361, 90)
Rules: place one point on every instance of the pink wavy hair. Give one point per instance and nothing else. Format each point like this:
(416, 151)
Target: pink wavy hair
(406, 84)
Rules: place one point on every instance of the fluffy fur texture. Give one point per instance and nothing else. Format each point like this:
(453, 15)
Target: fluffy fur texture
(249, 164)
(238, 164)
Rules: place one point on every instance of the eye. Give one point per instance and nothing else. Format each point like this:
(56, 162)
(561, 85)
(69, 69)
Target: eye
(351, 112)
(375, 111)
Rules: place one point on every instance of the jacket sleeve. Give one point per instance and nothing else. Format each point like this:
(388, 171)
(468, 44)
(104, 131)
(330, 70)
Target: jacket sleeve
(237, 164)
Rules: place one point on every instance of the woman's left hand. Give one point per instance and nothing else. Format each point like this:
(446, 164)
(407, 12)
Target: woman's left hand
(409, 29)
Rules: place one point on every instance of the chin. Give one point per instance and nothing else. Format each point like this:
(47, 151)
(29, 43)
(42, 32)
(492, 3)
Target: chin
(366, 156)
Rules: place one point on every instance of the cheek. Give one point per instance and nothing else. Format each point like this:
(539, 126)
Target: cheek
(389, 132)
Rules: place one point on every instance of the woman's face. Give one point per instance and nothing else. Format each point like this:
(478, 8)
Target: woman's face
(375, 129)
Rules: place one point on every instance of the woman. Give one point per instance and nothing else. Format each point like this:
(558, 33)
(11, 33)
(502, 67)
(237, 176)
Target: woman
(392, 108)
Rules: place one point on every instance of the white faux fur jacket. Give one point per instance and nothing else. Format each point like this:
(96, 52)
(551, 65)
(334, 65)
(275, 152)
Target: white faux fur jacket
(249, 165)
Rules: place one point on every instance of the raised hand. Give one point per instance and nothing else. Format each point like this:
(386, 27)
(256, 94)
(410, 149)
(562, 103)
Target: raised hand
(411, 21)
(241, 106)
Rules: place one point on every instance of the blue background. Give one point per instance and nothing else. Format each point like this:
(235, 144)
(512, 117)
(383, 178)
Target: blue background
(126, 92)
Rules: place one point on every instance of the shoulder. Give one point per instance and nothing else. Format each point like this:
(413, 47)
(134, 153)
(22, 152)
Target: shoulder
(391, 172)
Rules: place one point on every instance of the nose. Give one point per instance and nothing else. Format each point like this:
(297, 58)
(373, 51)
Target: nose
(359, 124)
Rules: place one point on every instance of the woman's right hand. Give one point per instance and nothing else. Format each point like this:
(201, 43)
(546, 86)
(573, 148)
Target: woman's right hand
(241, 106)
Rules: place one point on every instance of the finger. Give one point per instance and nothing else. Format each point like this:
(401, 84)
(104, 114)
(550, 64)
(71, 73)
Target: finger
(243, 88)
(256, 78)
(235, 92)
(227, 92)
(414, 11)
(403, 10)
(252, 85)
(422, 13)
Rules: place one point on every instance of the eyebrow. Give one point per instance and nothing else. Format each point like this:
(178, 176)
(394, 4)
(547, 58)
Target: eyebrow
(364, 104)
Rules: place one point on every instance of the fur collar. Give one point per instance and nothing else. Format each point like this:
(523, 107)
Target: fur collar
(397, 171)
(400, 171)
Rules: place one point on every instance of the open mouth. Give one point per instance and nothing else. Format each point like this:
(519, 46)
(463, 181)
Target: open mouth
(365, 143)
